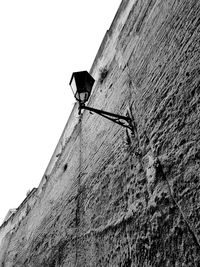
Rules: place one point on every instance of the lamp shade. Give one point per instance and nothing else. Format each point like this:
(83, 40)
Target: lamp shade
(81, 83)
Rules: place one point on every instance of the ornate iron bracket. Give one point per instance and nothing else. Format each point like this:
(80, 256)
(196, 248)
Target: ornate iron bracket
(121, 120)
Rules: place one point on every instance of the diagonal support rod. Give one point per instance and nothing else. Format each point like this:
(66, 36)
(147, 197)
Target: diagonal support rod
(121, 120)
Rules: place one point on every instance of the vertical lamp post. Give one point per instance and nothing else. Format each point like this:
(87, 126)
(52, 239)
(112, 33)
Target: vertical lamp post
(81, 84)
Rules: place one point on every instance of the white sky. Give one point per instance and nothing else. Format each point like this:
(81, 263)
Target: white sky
(41, 43)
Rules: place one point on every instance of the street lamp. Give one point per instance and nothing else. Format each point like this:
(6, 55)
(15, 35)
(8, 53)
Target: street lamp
(81, 84)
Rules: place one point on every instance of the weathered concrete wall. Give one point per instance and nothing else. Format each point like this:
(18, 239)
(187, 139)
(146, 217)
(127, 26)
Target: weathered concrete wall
(112, 198)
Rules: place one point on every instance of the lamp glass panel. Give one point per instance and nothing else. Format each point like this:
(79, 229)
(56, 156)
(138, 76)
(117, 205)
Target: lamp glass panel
(82, 97)
(73, 86)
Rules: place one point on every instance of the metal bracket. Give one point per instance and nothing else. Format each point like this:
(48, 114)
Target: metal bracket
(124, 121)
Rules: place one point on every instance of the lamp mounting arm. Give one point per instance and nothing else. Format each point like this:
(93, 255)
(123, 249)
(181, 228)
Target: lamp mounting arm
(121, 120)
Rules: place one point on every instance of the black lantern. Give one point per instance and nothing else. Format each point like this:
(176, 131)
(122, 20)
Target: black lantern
(81, 83)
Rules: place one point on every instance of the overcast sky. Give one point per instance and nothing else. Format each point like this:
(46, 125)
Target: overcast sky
(41, 43)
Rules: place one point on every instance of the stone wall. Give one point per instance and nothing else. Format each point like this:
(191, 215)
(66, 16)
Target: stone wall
(115, 198)
(12, 222)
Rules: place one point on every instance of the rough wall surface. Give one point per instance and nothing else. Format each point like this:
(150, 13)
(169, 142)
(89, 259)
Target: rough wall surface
(113, 198)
